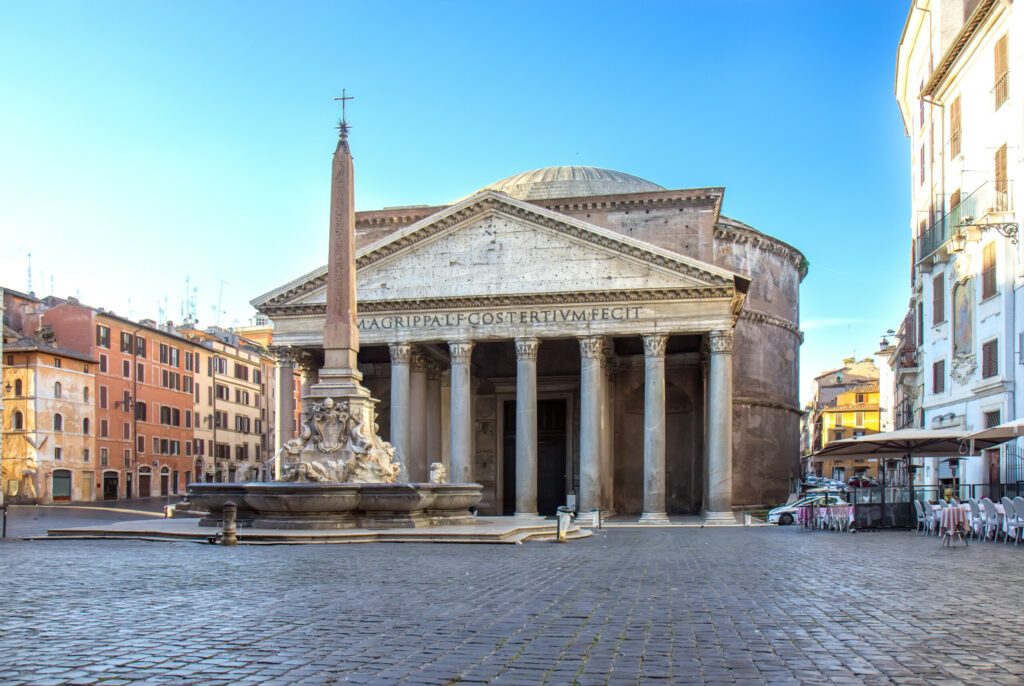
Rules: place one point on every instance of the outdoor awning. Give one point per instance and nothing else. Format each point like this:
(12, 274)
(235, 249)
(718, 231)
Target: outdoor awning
(1000, 434)
(918, 442)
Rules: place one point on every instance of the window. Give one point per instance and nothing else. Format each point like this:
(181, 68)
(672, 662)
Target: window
(164, 353)
(85, 425)
(174, 361)
(839, 418)
(188, 419)
(860, 398)
(938, 299)
(140, 372)
(140, 410)
(156, 445)
(85, 455)
(126, 369)
(920, 157)
(241, 371)
(126, 342)
(102, 336)
(838, 435)
(103, 397)
(56, 362)
(939, 377)
(140, 444)
(103, 428)
(954, 199)
(1001, 89)
(990, 359)
(223, 392)
(992, 419)
(126, 401)
(85, 394)
(17, 421)
(257, 376)
(17, 387)
(920, 323)
(103, 364)
(188, 448)
(140, 347)
(954, 128)
(988, 271)
(187, 384)
(58, 422)
(104, 457)
(57, 389)
(58, 454)
(858, 419)
(126, 431)
(1002, 200)
(127, 458)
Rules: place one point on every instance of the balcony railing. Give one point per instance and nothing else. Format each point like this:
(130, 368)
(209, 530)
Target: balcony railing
(991, 196)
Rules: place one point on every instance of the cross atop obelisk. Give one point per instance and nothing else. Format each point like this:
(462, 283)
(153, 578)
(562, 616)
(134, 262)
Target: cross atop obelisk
(343, 125)
(340, 375)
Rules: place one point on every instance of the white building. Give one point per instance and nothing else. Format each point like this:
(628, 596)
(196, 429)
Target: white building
(962, 108)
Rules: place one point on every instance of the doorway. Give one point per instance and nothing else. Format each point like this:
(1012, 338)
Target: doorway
(552, 440)
(61, 485)
(165, 482)
(144, 482)
(89, 486)
(110, 485)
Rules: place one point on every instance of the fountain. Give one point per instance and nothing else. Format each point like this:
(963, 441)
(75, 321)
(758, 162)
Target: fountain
(339, 473)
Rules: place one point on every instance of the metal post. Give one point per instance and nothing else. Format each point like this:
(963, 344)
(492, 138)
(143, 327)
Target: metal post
(229, 536)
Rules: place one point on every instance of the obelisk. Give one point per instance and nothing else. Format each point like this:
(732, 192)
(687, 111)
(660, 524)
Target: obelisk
(339, 378)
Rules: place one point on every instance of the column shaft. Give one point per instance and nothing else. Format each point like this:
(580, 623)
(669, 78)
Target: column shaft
(591, 376)
(720, 425)
(284, 410)
(654, 430)
(526, 426)
(433, 414)
(400, 420)
(608, 433)
(418, 418)
(461, 413)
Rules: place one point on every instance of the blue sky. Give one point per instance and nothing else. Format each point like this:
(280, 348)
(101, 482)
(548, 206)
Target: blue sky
(143, 143)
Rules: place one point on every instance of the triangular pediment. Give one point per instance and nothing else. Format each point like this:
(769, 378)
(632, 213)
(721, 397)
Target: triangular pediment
(490, 245)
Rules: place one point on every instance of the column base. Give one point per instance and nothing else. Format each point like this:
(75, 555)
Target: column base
(656, 518)
(720, 519)
(527, 515)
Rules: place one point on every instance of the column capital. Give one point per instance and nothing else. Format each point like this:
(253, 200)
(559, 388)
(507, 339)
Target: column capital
(400, 353)
(655, 344)
(418, 361)
(433, 371)
(460, 351)
(305, 362)
(526, 348)
(720, 342)
(592, 347)
(283, 354)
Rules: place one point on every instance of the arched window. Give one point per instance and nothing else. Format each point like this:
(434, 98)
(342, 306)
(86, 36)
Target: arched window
(85, 395)
(17, 387)
(56, 389)
(85, 425)
(58, 422)
(17, 421)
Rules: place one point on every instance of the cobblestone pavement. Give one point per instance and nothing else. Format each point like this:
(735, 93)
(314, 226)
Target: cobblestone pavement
(627, 606)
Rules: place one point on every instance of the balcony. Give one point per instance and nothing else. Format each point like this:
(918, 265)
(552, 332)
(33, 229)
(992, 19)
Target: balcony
(991, 197)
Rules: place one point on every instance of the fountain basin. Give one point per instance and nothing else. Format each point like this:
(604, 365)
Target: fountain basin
(290, 505)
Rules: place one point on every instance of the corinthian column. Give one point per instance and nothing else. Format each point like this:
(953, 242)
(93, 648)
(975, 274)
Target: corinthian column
(284, 401)
(418, 417)
(591, 390)
(433, 414)
(461, 413)
(719, 467)
(400, 355)
(654, 430)
(526, 426)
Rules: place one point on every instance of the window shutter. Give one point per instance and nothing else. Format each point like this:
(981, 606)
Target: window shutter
(939, 377)
(988, 271)
(990, 359)
(954, 127)
(1000, 61)
(939, 299)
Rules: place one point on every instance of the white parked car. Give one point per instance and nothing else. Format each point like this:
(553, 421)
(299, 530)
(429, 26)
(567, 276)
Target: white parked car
(786, 514)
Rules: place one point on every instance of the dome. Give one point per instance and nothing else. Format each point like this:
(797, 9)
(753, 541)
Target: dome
(571, 182)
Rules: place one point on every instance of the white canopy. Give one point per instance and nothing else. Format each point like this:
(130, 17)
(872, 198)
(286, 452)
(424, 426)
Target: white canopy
(916, 442)
(1000, 434)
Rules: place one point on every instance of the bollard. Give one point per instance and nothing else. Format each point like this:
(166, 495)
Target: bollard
(229, 536)
(564, 518)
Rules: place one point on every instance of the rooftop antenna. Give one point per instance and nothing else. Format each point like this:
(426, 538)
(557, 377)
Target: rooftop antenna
(30, 272)
(220, 299)
(52, 289)
(131, 314)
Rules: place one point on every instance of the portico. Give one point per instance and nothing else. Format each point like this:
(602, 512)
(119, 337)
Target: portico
(496, 334)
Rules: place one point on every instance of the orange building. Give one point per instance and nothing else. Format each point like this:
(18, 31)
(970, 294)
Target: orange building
(144, 387)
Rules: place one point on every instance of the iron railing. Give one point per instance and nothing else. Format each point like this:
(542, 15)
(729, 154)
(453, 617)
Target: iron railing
(991, 196)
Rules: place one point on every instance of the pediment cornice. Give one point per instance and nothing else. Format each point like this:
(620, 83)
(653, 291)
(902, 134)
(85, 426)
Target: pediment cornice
(491, 202)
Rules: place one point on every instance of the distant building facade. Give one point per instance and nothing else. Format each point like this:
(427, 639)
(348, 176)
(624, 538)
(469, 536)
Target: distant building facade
(958, 362)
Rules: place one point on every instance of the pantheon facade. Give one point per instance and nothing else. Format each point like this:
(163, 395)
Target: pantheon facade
(573, 334)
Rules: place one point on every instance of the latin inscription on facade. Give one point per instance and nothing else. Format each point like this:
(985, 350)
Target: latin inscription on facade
(499, 318)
